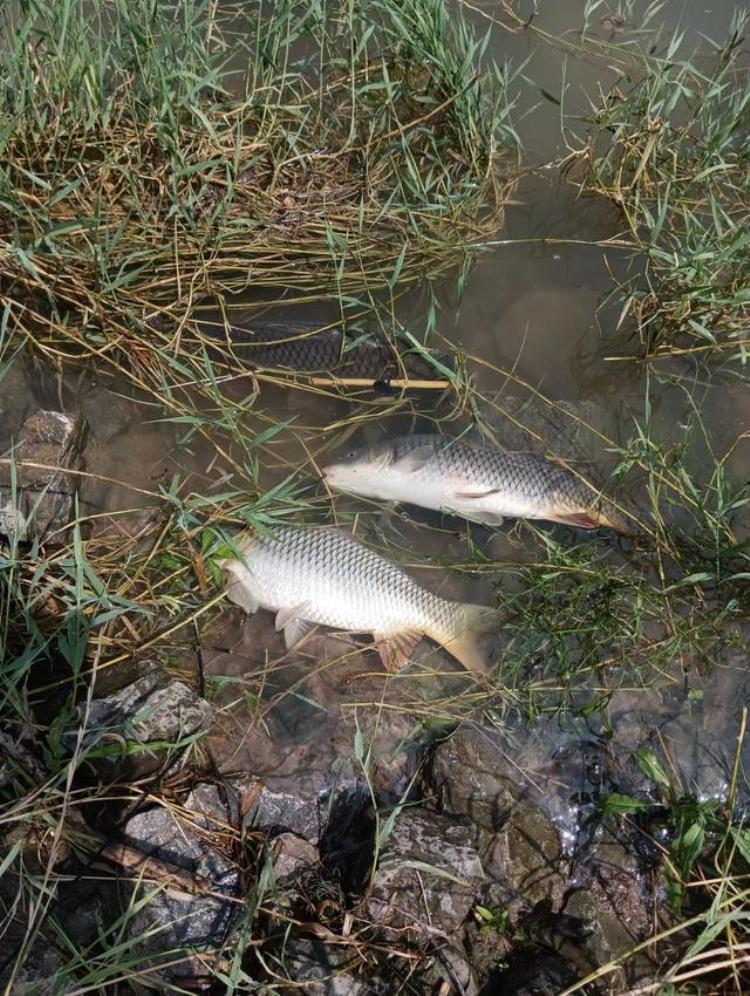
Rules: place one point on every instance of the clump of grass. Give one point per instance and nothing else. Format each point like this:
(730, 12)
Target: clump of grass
(671, 150)
(160, 154)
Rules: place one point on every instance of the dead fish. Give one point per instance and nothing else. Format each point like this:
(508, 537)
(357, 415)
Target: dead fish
(306, 348)
(476, 482)
(319, 575)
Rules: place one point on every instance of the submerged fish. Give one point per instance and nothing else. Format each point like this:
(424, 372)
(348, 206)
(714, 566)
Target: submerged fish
(318, 575)
(474, 481)
(306, 348)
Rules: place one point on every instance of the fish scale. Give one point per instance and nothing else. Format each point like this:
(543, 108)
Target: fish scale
(322, 576)
(353, 585)
(474, 481)
(532, 475)
(306, 347)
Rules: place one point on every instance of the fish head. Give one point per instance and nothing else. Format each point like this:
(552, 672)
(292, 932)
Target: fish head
(357, 470)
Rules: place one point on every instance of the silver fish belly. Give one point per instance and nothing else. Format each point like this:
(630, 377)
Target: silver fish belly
(322, 576)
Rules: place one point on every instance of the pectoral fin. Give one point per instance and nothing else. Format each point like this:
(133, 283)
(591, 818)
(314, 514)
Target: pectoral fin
(238, 593)
(480, 516)
(395, 649)
(476, 495)
(293, 623)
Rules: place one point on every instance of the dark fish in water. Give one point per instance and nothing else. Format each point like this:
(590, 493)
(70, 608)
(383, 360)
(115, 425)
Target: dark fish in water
(318, 575)
(305, 348)
(474, 481)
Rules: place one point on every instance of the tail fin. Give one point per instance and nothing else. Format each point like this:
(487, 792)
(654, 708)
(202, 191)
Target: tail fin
(470, 621)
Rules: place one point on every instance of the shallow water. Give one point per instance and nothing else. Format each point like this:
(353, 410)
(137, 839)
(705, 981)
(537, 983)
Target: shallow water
(534, 317)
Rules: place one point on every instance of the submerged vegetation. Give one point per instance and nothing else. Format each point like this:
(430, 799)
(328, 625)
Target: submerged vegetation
(161, 154)
(162, 159)
(671, 148)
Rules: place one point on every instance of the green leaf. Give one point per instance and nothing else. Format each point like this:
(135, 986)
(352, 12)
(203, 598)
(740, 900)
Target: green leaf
(617, 804)
(688, 846)
(10, 857)
(742, 840)
(651, 767)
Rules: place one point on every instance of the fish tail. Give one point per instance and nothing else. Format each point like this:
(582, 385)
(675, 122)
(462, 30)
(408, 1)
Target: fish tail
(470, 622)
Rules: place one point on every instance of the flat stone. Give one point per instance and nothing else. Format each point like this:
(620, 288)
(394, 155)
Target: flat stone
(173, 918)
(532, 973)
(615, 902)
(428, 877)
(86, 908)
(279, 809)
(447, 965)
(207, 806)
(292, 855)
(42, 498)
(153, 709)
(327, 970)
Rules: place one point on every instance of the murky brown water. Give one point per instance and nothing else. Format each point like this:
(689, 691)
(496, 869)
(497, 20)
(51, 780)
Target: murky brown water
(535, 318)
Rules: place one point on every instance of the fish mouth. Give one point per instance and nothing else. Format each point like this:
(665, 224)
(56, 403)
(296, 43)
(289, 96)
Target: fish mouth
(327, 473)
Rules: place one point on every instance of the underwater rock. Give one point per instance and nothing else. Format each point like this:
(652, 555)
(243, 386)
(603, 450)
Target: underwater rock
(526, 857)
(428, 876)
(470, 777)
(700, 743)
(37, 500)
(153, 709)
(614, 905)
(174, 918)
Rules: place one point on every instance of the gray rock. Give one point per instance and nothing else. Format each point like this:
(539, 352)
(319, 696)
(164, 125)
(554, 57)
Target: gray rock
(526, 857)
(327, 970)
(173, 919)
(448, 965)
(158, 833)
(207, 807)
(42, 498)
(428, 877)
(292, 855)
(152, 709)
(280, 809)
(39, 974)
